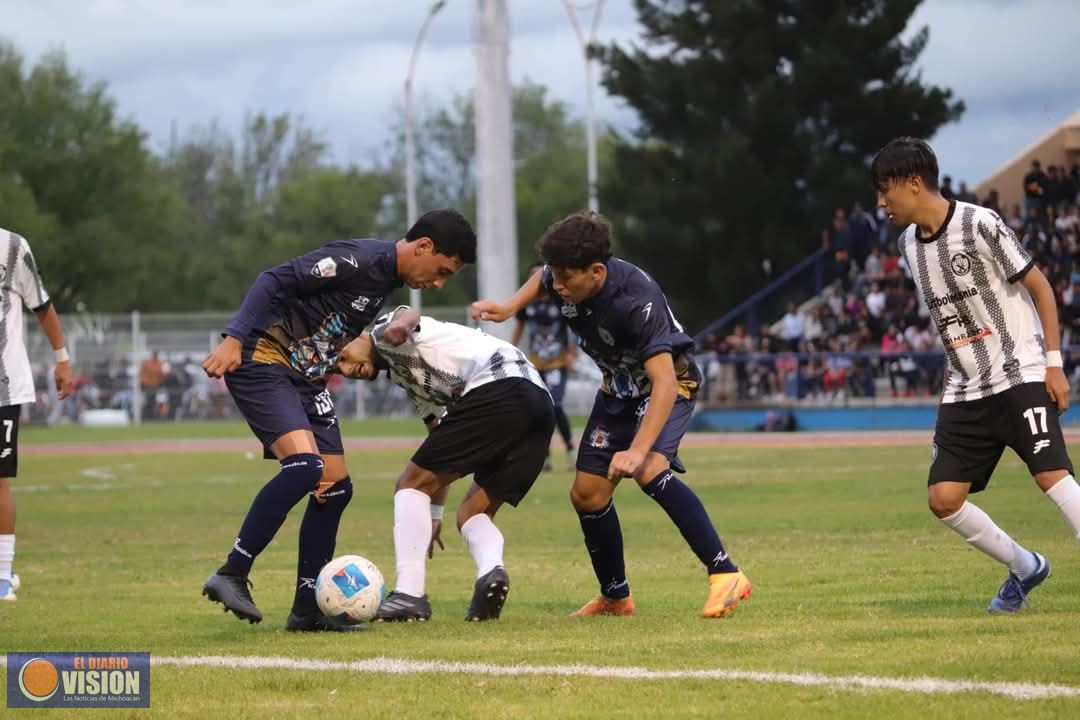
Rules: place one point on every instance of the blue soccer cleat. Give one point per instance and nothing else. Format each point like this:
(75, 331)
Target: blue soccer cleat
(7, 592)
(1012, 595)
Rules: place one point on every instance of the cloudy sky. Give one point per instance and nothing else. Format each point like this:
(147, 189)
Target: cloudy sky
(341, 63)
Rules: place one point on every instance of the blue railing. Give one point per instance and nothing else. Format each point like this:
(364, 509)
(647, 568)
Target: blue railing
(747, 310)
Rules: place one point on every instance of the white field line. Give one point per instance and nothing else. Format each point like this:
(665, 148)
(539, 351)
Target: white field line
(392, 666)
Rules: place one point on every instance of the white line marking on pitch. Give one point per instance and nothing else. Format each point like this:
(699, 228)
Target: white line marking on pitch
(392, 666)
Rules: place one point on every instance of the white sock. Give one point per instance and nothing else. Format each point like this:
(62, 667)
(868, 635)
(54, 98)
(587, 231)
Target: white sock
(412, 535)
(979, 530)
(7, 555)
(485, 543)
(1065, 494)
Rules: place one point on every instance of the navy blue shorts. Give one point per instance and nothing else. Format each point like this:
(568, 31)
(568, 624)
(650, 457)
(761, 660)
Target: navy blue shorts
(555, 379)
(275, 400)
(613, 424)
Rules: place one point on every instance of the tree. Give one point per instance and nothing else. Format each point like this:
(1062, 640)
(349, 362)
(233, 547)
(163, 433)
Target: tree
(756, 120)
(549, 161)
(82, 185)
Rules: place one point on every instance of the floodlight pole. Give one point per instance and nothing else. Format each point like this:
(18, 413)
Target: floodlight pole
(590, 105)
(410, 143)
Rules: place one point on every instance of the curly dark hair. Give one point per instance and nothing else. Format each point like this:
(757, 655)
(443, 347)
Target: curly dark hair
(576, 241)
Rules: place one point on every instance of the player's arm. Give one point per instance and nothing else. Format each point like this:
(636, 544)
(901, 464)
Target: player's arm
(438, 506)
(50, 325)
(403, 323)
(498, 312)
(519, 330)
(1046, 303)
(660, 369)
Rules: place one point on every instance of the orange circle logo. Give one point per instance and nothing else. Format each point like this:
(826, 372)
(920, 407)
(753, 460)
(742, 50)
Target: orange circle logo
(38, 679)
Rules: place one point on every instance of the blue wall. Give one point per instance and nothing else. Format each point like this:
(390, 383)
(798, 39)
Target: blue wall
(879, 418)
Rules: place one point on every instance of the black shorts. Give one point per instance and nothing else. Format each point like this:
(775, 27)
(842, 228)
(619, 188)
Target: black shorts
(614, 422)
(970, 436)
(9, 440)
(275, 400)
(500, 432)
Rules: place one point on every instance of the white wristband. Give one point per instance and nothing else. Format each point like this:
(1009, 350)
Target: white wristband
(437, 512)
(61, 355)
(1053, 358)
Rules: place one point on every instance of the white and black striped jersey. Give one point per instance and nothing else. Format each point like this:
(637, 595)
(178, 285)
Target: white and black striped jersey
(441, 362)
(968, 274)
(21, 285)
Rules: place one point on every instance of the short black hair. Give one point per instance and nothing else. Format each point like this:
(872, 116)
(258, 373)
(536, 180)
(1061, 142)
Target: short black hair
(902, 158)
(450, 232)
(576, 241)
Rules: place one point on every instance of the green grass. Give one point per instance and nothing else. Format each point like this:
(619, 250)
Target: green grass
(851, 576)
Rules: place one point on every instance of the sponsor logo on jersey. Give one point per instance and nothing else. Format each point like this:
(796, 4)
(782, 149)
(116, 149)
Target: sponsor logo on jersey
(936, 301)
(325, 268)
(569, 310)
(360, 304)
(605, 336)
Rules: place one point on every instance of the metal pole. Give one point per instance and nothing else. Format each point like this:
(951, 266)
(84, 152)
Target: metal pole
(495, 208)
(136, 386)
(590, 105)
(410, 144)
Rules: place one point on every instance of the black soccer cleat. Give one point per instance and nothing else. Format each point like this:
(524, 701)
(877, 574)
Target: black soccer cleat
(399, 607)
(317, 622)
(232, 592)
(489, 594)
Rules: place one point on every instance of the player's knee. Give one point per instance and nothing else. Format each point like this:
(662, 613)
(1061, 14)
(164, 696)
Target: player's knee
(944, 504)
(588, 498)
(304, 469)
(413, 477)
(340, 493)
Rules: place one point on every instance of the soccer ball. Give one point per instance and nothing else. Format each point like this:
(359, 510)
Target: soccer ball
(350, 589)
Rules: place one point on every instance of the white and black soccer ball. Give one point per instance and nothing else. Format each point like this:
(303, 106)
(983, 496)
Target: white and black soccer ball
(350, 589)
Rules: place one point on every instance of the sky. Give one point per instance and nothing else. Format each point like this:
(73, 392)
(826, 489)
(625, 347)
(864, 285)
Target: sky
(341, 64)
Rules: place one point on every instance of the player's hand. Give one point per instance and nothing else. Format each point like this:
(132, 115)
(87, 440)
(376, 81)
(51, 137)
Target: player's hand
(324, 485)
(489, 310)
(62, 375)
(625, 464)
(224, 358)
(436, 537)
(395, 335)
(1057, 386)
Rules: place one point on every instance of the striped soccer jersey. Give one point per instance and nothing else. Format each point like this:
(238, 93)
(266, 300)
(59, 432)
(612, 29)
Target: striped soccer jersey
(20, 284)
(969, 274)
(441, 361)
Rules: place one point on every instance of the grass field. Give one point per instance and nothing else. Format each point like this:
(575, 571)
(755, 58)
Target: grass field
(852, 577)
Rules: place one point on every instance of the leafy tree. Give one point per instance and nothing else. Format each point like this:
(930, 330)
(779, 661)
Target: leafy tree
(80, 183)
(756, 120)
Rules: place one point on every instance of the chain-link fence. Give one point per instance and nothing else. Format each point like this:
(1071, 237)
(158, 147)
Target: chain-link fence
(147, 367)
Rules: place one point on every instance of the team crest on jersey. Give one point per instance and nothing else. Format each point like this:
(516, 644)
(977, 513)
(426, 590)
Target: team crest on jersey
(360, 304)
(961, 264)
(605, 336)
(600, 438)
(325, 268)
(569, 310)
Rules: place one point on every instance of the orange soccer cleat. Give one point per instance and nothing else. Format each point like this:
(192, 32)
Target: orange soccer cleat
(725, 592)
(601, 605)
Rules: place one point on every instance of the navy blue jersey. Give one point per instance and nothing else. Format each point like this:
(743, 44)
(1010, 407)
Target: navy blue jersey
(624, 325)
(303, 312)
(548, 332)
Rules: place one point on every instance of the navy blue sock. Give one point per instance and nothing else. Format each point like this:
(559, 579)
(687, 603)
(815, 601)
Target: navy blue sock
(603, 539)
(299, 475)
(686, 511)
(563, 424)
(318, 538)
